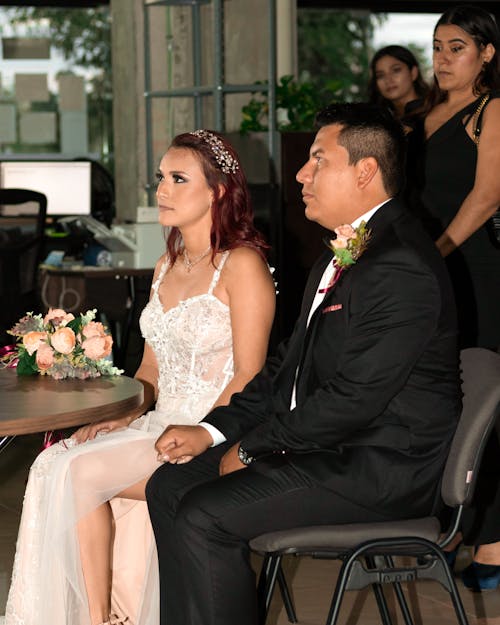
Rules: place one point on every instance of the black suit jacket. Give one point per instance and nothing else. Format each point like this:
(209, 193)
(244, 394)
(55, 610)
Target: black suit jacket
(378, 389)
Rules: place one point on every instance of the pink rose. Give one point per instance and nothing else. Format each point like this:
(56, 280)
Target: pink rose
(58, 316)
(345, 230)
(63, 340)
(93, 328)
(32, 341)
(340, 242)
(44, 357)
(97, 347)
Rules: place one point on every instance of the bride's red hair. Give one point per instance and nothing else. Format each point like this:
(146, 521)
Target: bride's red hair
(232, 214)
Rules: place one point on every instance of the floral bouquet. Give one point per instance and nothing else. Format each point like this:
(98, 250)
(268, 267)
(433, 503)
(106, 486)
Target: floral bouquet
(61, 346)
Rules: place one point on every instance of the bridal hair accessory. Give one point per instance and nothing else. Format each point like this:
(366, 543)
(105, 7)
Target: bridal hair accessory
(61, 346)
(347, 247)
(227, 163)
(189, 264)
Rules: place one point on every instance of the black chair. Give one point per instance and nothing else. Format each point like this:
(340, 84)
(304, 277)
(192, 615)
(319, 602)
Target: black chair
(21, 246)
(368, 549)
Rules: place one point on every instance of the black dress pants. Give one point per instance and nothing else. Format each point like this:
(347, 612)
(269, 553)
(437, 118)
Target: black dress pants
(203, 522)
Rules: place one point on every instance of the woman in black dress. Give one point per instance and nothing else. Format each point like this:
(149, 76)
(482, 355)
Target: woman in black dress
(458, 187)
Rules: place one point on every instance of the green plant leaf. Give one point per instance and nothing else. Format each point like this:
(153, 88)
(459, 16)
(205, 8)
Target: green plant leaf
(26, 364)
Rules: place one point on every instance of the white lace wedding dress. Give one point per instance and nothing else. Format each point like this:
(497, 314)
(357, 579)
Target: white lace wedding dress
(193, 346)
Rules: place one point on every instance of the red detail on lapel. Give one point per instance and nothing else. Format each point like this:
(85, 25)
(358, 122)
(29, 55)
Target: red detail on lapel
(338, 272)
(332, 308)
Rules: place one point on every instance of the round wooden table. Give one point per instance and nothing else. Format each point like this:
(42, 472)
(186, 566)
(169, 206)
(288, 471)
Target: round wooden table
(37, 403)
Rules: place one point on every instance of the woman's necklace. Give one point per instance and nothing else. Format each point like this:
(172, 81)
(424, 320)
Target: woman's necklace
(189, 264)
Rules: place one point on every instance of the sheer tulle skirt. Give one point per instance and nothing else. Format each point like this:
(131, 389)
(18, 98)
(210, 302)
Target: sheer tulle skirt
(65, 483)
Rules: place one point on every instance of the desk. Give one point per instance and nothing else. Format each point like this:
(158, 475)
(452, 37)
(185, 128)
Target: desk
(38, 403)
(119, 293)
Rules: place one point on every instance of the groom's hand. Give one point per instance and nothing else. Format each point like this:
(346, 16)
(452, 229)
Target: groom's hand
(181, 443)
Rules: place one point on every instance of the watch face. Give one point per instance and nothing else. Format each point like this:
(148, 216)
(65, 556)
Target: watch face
(243, 456)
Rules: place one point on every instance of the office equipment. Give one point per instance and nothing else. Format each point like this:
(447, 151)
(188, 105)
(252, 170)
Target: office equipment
(135, 246)
(66, 184)
(148, 239)
(21, 241)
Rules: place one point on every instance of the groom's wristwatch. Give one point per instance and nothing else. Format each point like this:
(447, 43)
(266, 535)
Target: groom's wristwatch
(244, 456)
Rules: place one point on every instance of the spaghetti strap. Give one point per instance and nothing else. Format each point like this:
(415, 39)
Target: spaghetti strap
(216, 275)
(156, 284)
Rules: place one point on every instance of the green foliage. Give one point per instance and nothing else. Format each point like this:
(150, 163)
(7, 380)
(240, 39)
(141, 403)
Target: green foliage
(296, 106)
(334, 49)
(335, 45)
(26, 364)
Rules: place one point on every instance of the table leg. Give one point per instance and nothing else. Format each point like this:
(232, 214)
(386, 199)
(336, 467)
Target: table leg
(5, 441)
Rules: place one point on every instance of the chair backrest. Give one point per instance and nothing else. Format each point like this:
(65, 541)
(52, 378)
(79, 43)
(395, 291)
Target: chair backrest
(21, 246)
(481, 408)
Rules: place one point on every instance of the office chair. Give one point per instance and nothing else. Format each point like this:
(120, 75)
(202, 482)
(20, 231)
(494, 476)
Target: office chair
(21, 246)
(367, 549)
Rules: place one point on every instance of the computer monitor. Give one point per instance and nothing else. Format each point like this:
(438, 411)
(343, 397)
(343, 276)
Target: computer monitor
(65, 183)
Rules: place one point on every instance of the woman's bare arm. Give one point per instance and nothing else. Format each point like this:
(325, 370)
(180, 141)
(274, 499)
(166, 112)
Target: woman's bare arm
(252, 300)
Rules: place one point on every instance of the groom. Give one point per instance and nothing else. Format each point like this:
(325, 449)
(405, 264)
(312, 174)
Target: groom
(351, 421)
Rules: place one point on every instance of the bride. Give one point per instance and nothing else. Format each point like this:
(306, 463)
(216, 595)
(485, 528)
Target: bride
(85, 551)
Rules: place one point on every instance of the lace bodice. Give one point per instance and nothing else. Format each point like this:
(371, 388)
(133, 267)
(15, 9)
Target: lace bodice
(193, 345)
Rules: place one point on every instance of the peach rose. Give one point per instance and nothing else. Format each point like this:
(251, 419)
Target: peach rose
(340, 242)
(97, 347)
(93, 328)
(63, 340)
(32, 341)
(58, 316)
(345, 231)
(44, 357)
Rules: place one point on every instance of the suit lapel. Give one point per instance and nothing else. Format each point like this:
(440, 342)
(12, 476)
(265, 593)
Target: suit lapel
(297, 342)
(380, 221)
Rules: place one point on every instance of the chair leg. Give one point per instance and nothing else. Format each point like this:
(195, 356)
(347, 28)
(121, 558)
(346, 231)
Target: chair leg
(378, 591)
(453, 590)
(267, 582)
(286, 596)
(340, 588)
(403, 605)
(385, 615)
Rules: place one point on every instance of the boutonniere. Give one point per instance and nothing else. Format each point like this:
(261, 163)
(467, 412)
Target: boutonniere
(347, 247)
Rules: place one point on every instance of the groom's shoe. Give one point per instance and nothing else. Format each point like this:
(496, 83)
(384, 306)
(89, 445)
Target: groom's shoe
(479, 577)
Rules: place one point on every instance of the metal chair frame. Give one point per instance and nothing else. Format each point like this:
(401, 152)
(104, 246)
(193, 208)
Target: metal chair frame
(370, 562)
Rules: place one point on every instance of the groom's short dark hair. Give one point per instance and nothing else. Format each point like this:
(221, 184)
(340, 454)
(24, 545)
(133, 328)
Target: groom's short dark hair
(370, 130)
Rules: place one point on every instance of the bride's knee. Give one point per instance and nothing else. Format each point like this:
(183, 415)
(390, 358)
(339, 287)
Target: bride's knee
(47, 456)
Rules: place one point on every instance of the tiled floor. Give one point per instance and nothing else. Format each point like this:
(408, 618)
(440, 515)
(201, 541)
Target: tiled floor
(312, 580)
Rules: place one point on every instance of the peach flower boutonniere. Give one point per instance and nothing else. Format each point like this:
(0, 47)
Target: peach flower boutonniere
(349, 244)
(347, 247)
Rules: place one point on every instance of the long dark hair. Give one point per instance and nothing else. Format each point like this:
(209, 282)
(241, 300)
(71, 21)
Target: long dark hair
(405, 56)
(482, 27)
(232, 214)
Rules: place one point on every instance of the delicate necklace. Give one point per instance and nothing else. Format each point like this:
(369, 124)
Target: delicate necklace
(189, 264)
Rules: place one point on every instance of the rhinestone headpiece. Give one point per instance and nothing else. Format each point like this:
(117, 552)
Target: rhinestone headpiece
(227, 163)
